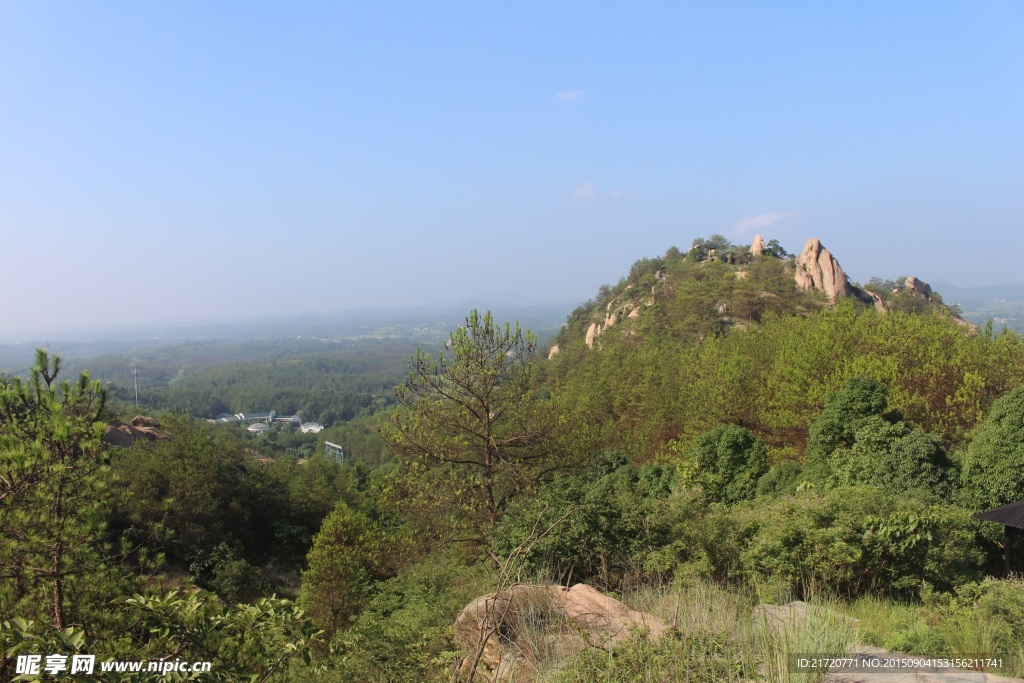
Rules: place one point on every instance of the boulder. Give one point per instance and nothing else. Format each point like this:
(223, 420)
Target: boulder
(555, 349)
(498, 631)
(757, 246)
(817, 268)
(140, 427)
(869, 297)
(919, 286)
(591, 334)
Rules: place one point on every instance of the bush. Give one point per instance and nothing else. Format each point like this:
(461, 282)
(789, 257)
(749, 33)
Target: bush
(609, 522)
(993, 465)
(406, 633)
(779, 480)
(692, 657)
(894, 456)
(727, 462)
(850, 540)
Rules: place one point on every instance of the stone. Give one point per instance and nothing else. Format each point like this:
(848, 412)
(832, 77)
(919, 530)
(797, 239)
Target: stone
(869, 297)
(919, 286)
(493, 628)
(817, 268)
(591, 335)
(555, 350)
(124, 435)
(757, 246)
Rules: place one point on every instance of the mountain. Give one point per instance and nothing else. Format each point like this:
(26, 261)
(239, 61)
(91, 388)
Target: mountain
(1003, 304)
(756, 337)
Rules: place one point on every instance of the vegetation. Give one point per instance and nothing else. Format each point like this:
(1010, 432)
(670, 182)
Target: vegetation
(725, 440)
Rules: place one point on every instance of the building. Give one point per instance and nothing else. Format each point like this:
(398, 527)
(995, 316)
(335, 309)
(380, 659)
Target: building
(1011, 516)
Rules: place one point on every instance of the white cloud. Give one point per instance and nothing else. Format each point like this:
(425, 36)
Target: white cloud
(615, 195)
(570, 95)
(585, 191)
(762, 221)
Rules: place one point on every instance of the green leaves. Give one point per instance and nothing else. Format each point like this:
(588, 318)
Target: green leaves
(52, 477)
(470, 415)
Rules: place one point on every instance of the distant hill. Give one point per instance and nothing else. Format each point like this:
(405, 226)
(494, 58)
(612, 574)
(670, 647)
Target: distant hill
(1003, 304)
(269, 338)
(753, 336)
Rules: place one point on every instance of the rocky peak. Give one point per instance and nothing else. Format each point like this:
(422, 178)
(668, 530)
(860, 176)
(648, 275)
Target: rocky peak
(757, 246)
(920, 286)
(817, 268)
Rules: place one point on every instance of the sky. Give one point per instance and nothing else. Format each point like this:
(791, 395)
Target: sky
(166, 162)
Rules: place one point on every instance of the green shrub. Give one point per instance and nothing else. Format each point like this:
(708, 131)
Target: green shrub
(850, 540)
(893, 456)
(406, 631)
(993, 465)
(779, 480)
(602, 524)
(727, 462)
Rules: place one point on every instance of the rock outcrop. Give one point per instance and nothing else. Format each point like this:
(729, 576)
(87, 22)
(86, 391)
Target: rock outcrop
(140, 427)
(757, 246)
(919, 286)
(494, 629)
(869, 297)
(555, 350)
(817, 268)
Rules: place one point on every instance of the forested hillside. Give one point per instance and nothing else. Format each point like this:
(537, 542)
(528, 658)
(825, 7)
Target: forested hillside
(723, 427)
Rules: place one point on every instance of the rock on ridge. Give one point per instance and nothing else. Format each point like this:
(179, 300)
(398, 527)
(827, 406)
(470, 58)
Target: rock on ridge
(817, 268)
(920, 286)
(869, 297)
(757, 246)
(140, 427)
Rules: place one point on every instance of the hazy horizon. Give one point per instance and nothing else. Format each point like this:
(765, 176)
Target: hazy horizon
(166, 165)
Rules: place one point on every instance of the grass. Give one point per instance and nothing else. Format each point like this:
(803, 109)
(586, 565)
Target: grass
(716, 637)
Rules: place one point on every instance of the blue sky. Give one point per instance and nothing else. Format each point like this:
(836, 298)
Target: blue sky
(167, 162)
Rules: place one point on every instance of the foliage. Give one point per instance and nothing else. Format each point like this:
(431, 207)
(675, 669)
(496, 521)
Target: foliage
(993, 464)
(253, 642)
(664, 380)
(348, 554)
(727, 462)
(849, 540)
(53, 478)
(471, 414)
(603, 523)
(781, 479)
(231, 577)
(844, 410)
(894, 456)
(697, 657)
(406, 633)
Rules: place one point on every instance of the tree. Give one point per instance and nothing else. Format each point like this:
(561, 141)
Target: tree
(52, 476)
(993, 466)
(471, 417)
(894, 456)
(727, 461)
(345, 557)
(844, 412)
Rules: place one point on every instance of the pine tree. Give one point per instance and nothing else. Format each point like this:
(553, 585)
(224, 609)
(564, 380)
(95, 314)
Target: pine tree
(53, 474)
